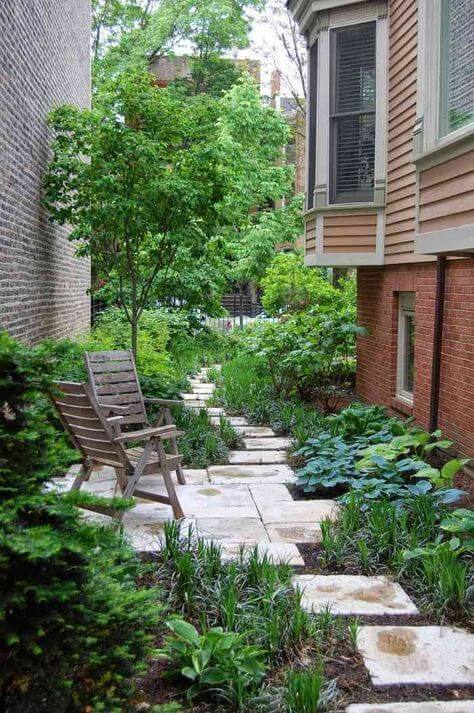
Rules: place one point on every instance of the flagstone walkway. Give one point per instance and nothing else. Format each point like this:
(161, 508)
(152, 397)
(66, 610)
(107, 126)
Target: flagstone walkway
(246, 503)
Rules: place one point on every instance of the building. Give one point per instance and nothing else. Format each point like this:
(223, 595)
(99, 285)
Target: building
(390, 191)
(44, 62)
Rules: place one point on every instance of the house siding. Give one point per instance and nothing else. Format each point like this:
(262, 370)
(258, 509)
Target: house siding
(447, 194)
(401, 173)
(44, 62)
(354, 233)
(378, 290)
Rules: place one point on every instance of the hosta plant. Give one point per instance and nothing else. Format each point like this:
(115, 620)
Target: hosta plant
(215, 660)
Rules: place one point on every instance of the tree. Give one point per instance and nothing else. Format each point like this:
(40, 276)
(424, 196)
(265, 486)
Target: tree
(257, 242)
(205, 28)
(166, 175)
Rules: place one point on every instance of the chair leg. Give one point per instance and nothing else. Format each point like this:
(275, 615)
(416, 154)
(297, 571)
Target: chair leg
(174, 502)
(174, 448)
(83, 474)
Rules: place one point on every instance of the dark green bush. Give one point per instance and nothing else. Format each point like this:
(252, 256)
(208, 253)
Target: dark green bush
(73, 626)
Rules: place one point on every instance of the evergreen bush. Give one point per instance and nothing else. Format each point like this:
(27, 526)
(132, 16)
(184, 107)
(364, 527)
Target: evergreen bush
(74, 628)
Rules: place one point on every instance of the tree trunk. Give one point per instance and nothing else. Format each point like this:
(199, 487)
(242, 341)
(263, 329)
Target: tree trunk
(134, 323)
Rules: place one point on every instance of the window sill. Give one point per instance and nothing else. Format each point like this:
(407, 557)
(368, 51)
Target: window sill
(448, 147)
(402, 405)
(353, 207)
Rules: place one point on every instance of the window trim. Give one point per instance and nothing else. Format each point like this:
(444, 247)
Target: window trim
(355, 15)
(406, 308)
(427, 137)
(360, 197)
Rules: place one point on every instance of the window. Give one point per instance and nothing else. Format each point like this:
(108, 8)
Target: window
(313, 88)
(457, 65)
(406, 346)
(352, 113)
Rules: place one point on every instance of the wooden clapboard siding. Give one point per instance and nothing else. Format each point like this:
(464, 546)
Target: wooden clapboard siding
(447, 194)
(401, 174)
(345, 233)
(311, 236)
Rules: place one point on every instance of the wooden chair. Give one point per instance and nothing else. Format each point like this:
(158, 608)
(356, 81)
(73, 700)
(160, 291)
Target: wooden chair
(101, 442)
(114, 380)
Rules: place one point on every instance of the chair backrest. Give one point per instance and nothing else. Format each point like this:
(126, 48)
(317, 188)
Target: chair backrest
(88, 429)
(114, 380)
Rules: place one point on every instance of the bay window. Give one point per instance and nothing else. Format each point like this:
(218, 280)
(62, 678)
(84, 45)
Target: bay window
(352, 113)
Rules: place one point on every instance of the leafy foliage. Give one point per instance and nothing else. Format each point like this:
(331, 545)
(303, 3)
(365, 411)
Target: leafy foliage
(73, 626)
(216, 659)
(408, 542)
(290, 286)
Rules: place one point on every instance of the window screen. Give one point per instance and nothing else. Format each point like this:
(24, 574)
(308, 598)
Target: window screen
(457, 64)
(352, 113)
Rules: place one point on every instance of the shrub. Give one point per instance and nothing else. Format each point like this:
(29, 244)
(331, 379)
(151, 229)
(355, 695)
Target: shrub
(309, 355)
(290, 286)
(73, 626)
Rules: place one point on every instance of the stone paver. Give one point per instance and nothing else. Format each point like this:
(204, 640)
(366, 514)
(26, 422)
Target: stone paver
(256, 457)
(211, 501)
(215, 411)
(417, 655)
(194, 397)
(298, 511)
(254, 431)
(273, 443)
(278, 492)
(354, 595)
(231, 529)
(219, 474)
(277, 553)
(298, 532)
(412, 707)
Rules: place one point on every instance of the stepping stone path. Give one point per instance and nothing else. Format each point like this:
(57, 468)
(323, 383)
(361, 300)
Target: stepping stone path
(246, 504)
(354, 595)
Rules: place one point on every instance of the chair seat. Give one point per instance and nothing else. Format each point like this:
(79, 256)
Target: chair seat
(153, 466)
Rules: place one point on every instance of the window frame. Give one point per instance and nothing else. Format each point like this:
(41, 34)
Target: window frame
(428, 136)
(406, 310)
(347, 17)
(360, 196)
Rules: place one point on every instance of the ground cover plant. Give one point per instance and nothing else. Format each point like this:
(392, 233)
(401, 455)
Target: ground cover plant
(415, 544)
(377, 456)
(235, 630)
(74, 627)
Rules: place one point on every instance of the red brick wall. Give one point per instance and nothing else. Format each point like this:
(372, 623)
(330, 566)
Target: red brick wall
(377, 353)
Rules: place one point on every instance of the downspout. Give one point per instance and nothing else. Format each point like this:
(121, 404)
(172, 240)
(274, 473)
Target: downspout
(437, 341)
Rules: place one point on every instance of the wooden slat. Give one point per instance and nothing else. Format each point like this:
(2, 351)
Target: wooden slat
(73, 399)
(67, 410)
(113, 367)
(125, 387)
(121, 399)
(349, 241)
(101, 444)
(349, 231)
(86, 431)
(114, 378)
(84, 421)
(117, 355)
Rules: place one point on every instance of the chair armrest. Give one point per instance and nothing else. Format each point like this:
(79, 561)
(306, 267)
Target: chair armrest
(114, 407)
(146, 433)
(163, 402)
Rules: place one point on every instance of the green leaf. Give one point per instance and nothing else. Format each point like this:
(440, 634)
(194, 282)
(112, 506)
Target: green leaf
(183, 629)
